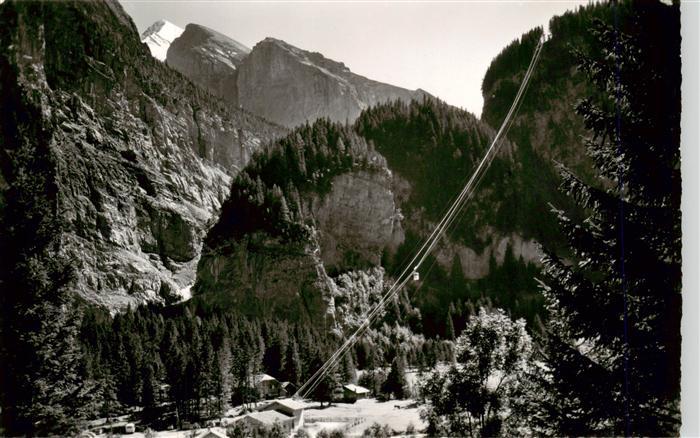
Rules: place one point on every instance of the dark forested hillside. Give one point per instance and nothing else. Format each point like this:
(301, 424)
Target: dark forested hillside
(544, 121)
(435, 148)
(267, 194)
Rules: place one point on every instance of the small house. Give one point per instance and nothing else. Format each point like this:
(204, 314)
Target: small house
(288, 407)
(352, 393)
(267, 385)
(259, 421)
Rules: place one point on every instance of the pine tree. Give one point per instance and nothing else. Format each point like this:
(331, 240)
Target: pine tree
(292, 365)
(223, 381)
(323, 392)
(348, 371)
(450, 331)
(612, 345)
(148, 392)
(395, 383)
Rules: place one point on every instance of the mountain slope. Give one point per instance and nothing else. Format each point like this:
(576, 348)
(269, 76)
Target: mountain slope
(290, 86)
(276, 80)
(209, 59)
(546, 119)
(139, 157)
(159, 36)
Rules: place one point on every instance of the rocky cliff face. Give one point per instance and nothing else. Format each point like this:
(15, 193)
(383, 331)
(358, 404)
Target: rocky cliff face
(358, 219)
(141, 159)
(260, 275)
(287, 230)
(209, 59)
(291, 86)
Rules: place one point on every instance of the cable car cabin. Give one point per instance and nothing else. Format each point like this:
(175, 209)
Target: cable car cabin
(416, 275)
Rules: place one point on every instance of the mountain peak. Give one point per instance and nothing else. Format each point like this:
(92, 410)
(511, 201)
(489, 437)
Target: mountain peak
(209, 58)
(159, 36)
(209, 39)
(307, 86)
(273, 40)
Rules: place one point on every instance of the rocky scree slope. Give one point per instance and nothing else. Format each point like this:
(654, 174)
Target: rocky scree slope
(209, 59)
(140, 158)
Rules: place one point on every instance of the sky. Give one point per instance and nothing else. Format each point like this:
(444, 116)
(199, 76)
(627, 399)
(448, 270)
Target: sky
(442, 47)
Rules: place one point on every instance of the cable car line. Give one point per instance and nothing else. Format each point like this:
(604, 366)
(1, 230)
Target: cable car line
(431, 242)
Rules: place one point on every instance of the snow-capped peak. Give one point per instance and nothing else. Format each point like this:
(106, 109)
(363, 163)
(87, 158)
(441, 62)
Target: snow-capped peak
(159, 36)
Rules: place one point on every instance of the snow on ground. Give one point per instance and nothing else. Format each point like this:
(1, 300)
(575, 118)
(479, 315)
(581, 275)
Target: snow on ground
(185, 293)
(159, 36)
(397, 414)
(352, 418)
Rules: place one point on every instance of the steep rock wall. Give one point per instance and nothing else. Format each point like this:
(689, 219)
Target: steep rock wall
(358, 219)
(142, 159)
(260, 275)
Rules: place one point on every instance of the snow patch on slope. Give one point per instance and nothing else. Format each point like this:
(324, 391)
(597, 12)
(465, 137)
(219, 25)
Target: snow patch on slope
(159, 36)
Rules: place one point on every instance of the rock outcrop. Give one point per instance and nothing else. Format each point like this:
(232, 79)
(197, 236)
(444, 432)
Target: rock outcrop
(287, 230)
(209, 59)
(357, 220)
(260, 275)
(141, 159)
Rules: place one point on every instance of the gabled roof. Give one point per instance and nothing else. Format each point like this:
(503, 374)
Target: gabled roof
(211, 434)
(287, 403)
(264, 378)
(357, 389)
(268, 417)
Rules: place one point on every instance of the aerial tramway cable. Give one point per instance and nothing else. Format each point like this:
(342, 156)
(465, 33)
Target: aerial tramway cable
(447, 220)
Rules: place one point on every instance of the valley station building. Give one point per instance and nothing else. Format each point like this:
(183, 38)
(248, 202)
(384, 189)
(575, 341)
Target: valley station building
(288, 413)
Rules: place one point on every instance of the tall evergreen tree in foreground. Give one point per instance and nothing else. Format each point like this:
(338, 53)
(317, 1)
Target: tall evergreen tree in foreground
(612, 343)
